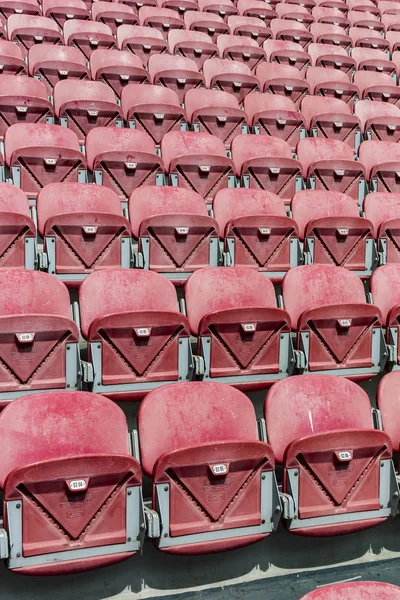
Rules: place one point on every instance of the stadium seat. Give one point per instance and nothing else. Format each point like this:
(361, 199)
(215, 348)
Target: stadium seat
(332, 57)
(39, 339)
(195, 45)
(377, 86)
(331, 15)
(18, 7)
(257, 9)
(179, 6)
(256, 231)
(393, 38)
(137, 338)
(364, 6)
(177, 73)
(379, 120)
(338, 474)
(331, 118)
(292, 31)
(117, 69)
(243, 338)
(385, 289)
(11, 59)
(68, 454)
(113, 14)
(83, 229)
(308, 4)
(383, 210)
(337, 332)
(39, 154)
(294, 12)
(88, 36)
(355, 590)
(196, 454)
(368, 59)
(137, 4)
(153, 109)
(382, 165)
(332, 83)
(391, 22)
(64, 10)
(122, 159)
(23, 99)
(17, 230)
(333, 231)
(229, 76)
(274, 115)
(197, 161)
(387, 400)
(206, 22)
(65, 63)
(329, 165)
(175, 233)
(222, 8)
(240, 49)
(286, 52)
(365, 20)
(281, 79)
(163, 20)
(215, 112)
(266, 163)
(85, 106)
(142, 41)
(28, 30)
(252, 27)
(368, 38)
(325, 33)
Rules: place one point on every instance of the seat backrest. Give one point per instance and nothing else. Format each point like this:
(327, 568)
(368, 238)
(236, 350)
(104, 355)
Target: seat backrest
(39, 54)
(266, 72)
(105, 58)
(185, 415)
(231, 203)
(374, 153)
(160, 63)
(22, 21)
(127, 32)
(236, 22)
(279, 25)
(383, 279)
(52, 425)
(319, 30)
(367, 79)
(356, 590)
(310, 404)
(381, 206)
(76, 27)
(176, 144)
(38, 135)
(13, 200)
(10, 49)
(313, 204)
(226, 41)
(117, 139)
(322, 75)
(313, 286)
(287, 46)
(147, 13)
(362, 55)
(136, 94)
(260, 103)
(124, 290)
(192, 17)
(388, 402)
(213, 67)
(316, 50)
(312, 150)
(63, 6)
(222, 288)
(100, 8)
(248, 147)
(314, 106)
(202, 99)
(86, 91)
(366, 110)
(359, 33)
(182, 36)
(22, 86)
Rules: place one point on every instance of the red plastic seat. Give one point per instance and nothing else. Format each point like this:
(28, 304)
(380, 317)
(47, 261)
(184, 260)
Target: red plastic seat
(25, 7)
(368, 59)
(17, 230)
(308, 4)
(387, 402)
(63, 10)
(356, 590)
(122, 159)
(23, 99)
(383, 210)
(206, 22)
(176, 235)
(117, 69)
(240, 49)
(85, 106)
(233, 313)
(365, 20)
(396, 61)
(385, 288)
(331, 118)
(339, 4)
(281, 79)
(196, 161)
(36, 324)
(325, 33)
(364, 6)
(393, 38)
(179, 6)
(11, 59)
(177, 73)
(46, 461)
(113, 14)
(215, 112)
(137, 338)
(252, 27)
(153, 109)
(266, 163)
(39, 154)
(137, 4)
(142, 41)
(332, 57)
(332, 83)
(229, 76)
(333, 321)
(258, 9)
(65, 63)
(256, 231)
(274, 115)
(292, 31)
(222, 8)
(286, 52)
(333, 231)
(195, 45)
(379, 120)
(391, 22)
(294, 12)
(330, 15)
(88, 36)
(368, 38)
(83, 230)
(337, 469)
(28, 30)
(329, 165)
(377, 86)
(382, 165)
(211, 442)
(163, 20)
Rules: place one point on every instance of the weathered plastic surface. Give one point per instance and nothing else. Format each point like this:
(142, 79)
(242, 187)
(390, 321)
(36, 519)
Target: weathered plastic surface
(283, 29)
(223, 8)
(92, 442)
(369, 38)
(252, 27)
(142, 41)
(275, 116)
(206, 22)
(63, 63)
(330, 118)
(370, 59)
(177, 73)
(356, 590)
(326, 33)
(332, 83)
(286, 52)
(256, 8)
(377, 86)
(282, 79)
(24, 28)
(331, 57)
(88, 36)
(383, 210)
(11, 58)
(240, 49)
(383, 279)
(229, 76)
(382, 162)
(380, 119)
(117, 69)
(195, 45)
(113, 14)
(63, 10)
(16, 227)
(162, 19)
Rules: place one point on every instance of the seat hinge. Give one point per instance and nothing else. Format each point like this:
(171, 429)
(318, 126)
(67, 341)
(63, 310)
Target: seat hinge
(153, 529)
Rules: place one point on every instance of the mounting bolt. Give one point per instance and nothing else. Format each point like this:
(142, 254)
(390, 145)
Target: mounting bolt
(282, 336)
(381, 505)
(208, 341)
(128, 539)
(18, 505)
(53, 240)
(382, 463)
(68, 385)
(296, 473)
(98, 346)
(129, 492)
(180, 341)
(263, 476)
(263, 522)
(18, 555)
(142, 527)
(165, 535)
(166, 489)
(68, 347)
